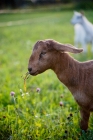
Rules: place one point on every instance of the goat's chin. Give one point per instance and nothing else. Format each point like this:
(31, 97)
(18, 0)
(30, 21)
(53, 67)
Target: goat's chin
(34, 73)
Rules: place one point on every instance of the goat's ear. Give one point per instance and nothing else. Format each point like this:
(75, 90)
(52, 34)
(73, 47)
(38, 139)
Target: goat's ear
(82, 12)
(71, 48)
(62, 47)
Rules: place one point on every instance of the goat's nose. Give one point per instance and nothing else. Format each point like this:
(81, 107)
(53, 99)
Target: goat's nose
(29, 69)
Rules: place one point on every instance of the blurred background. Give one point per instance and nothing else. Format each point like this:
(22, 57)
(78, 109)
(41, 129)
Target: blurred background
(12, 4)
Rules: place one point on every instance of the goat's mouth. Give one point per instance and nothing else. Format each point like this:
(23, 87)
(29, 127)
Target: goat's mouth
(33, 73)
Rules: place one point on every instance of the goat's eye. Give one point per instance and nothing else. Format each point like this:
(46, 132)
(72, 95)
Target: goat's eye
(79, 17)
(41, 54)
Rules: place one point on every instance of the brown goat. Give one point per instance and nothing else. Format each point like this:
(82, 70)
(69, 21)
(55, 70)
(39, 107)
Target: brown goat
(77, 76)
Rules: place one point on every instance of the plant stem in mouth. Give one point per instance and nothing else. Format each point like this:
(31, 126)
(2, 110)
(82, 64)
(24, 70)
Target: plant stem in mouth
(26, 77)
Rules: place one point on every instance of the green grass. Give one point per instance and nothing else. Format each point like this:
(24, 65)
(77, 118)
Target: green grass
(36, 116)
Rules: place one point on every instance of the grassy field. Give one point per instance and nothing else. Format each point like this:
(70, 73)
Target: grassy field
(32, 114)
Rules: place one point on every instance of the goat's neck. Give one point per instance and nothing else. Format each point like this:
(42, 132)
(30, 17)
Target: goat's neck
(67, 70)
(87, 26)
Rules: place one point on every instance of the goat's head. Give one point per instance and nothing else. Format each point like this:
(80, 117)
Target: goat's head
(44, 54)
(77, 18)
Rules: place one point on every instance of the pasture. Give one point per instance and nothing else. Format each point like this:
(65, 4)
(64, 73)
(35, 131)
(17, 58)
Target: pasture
(50, 112)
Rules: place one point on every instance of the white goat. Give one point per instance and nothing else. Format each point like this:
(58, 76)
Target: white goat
(83, 30)
(77, 76)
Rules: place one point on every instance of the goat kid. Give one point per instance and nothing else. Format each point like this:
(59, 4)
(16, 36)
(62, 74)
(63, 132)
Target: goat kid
(77, 76)
(83, 30)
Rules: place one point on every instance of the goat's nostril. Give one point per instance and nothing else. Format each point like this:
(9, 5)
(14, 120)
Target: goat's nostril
(29, 69)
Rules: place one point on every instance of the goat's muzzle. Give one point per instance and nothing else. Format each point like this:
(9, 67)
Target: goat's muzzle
(31, 72)
(29, 69)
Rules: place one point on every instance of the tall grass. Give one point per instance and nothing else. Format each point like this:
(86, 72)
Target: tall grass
(52, 112)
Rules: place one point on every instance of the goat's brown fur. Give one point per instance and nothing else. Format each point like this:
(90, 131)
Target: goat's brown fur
(77, 76)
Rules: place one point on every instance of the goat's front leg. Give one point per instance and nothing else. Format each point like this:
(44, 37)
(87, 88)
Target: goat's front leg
(84, 119)
(84, 46)
(92, 45)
